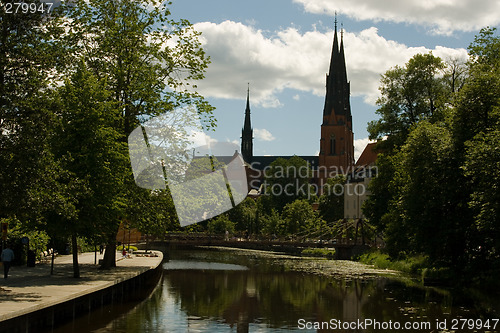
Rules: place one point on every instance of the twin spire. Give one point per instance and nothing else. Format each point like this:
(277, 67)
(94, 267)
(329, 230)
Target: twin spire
(337, 98)
(337, 86)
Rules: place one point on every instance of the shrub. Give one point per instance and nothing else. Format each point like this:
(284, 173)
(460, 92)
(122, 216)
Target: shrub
(120, 248)
(317, 252)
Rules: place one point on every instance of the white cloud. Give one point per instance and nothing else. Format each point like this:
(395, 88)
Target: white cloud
(440, 16)
(200, 138)
(294, 60)
(359, 146)
(263, 135)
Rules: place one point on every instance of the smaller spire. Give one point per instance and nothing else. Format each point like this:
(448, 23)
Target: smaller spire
(247, 133)
(335, 21)
(248, 97)
(341, 31)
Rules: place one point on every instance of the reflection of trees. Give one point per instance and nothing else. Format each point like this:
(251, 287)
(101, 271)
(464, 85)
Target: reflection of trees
(242, 297)
(206, 294)
(392, 300)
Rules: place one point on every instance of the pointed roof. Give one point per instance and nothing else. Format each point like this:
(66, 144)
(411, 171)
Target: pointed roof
(247, 125)
(247, 133)
(337, 86)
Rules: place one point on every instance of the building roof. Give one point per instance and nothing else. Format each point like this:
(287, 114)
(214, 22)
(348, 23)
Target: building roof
(260, 162)
(368, 156)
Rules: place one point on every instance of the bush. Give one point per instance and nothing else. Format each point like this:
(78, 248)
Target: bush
(120, 248)
(220, 224)
(410, 264)
(317, 252)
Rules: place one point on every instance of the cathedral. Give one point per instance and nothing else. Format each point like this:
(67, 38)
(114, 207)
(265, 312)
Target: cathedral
(336, 147)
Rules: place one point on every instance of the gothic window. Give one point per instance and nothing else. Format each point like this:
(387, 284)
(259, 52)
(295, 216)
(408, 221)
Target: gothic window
(332, 144)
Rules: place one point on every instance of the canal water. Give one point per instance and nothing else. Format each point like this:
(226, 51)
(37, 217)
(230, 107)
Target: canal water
(223, 290)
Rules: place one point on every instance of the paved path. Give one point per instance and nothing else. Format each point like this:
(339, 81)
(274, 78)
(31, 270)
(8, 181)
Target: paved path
(28, 289)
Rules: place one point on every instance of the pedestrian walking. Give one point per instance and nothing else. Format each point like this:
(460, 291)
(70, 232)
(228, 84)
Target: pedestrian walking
(7, 257)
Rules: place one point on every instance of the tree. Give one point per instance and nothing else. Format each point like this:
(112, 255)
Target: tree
(483, 156)
(147, 61)
(475, 124)
(92, 151)
(299, 217)
(410, 94)
(27, 57)
(221, 224)
(331, 202)
(273, 224)
(437, 194)
(244, 215)
(287, 180)
(425, 209)
(478, 99)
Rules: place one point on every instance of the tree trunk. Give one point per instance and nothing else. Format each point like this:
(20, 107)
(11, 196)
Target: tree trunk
(76, 268)
(109, 259)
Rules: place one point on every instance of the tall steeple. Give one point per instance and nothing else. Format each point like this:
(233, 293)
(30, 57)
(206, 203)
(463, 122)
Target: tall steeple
(337, 139)
(247, 133)
(337, 86)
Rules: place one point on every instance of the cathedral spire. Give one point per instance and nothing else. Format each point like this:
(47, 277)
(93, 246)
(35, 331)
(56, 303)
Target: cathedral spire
(337, 86)
(247, 133)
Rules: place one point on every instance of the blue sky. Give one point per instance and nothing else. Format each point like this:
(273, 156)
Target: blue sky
(282, 48)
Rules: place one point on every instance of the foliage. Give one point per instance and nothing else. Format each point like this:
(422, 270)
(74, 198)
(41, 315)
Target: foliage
(38, 240)
(331, 203)
(73, 85)
(483, 156)
(408, 264)
(28, 61)
(272, 224)
(123, 45)
(131, 247)
(299, 217)
(410, 94)
(221, 224)
(318, 252)
(245, 215)
(92, 151)
(437, 193)
(287, 180)
(423, 191)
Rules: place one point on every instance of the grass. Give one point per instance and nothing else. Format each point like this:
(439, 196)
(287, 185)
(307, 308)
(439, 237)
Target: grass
(317, 252)
(412, 265)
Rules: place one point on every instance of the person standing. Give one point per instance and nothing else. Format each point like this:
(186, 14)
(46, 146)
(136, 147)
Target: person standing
(7, 258)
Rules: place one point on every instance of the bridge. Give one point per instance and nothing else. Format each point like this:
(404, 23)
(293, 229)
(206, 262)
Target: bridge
(345, 247)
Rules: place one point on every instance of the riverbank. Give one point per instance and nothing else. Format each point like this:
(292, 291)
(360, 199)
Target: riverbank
(347, 269)
(32, 296)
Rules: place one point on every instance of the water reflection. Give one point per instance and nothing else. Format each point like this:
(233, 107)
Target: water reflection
(206, 291)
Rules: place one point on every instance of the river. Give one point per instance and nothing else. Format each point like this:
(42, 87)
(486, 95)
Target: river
(230, 290)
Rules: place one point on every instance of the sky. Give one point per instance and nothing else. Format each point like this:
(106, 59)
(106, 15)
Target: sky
(281, 50)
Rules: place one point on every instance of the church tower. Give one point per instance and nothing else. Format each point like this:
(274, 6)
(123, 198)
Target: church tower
(247, 133)
(336, 154)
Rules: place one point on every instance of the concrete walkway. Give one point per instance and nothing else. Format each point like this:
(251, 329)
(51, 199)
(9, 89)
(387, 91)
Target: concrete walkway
(28, 289)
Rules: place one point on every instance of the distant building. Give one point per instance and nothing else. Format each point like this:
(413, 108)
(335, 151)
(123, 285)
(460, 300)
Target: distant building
(336, 153)
(356, 189)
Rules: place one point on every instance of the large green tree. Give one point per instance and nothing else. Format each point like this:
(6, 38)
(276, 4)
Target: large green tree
(147, 60)
(92, 151)
(436, 194)
(476, 121)
(409, 95)
(29, 59)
